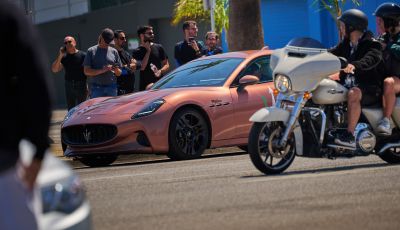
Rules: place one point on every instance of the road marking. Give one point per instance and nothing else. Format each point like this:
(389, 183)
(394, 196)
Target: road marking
(115, 177)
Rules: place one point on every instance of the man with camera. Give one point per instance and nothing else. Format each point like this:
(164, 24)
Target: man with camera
(102, 65)
(151, 57)
(188, 49)
(71, 59)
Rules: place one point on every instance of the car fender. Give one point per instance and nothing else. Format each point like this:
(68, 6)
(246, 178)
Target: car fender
(277, 114)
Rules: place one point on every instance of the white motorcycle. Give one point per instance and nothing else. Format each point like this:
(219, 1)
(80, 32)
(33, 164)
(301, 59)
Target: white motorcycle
(310, 111)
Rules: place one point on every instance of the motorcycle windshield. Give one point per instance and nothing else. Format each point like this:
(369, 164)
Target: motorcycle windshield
(306, 43)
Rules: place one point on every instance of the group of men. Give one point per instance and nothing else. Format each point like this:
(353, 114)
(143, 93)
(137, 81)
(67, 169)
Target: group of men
(373, 65)
(107, 69)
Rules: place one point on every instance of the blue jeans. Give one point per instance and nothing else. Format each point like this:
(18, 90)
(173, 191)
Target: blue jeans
(102, 90)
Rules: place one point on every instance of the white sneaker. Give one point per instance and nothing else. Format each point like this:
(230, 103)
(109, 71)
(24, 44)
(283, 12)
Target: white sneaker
(384, 127)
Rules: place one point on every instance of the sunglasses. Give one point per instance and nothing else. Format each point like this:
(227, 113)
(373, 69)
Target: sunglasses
(67, 42)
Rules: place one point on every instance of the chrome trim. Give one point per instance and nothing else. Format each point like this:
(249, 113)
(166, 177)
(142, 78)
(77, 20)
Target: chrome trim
(300, 102)
(323, 115)
(387, 146)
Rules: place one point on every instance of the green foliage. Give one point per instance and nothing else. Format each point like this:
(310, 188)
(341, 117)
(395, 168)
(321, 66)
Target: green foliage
(193, 10)
(334, 7)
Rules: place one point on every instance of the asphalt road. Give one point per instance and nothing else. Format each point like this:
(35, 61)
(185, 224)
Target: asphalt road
(225, 191)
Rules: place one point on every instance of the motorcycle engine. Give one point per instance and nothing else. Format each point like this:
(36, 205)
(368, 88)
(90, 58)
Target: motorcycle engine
(365, 138)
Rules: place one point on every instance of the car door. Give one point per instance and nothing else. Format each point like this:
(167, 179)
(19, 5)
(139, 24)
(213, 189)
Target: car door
(247, 100)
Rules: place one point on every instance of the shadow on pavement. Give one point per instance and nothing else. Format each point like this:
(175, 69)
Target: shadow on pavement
(324, 170)
(151, 160)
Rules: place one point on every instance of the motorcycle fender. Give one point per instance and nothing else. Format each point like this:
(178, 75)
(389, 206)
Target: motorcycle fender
(278, 114)
(270, 114)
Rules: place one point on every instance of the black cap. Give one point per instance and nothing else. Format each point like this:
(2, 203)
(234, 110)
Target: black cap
(108, 35)
(355, 19)
(388, 10)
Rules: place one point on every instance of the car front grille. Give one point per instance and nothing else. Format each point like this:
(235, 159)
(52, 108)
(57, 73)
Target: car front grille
(88, 134)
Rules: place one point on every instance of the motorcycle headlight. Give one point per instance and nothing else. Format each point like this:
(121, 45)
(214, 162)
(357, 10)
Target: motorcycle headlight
(64, 196)
(282, 83)
(149, 109)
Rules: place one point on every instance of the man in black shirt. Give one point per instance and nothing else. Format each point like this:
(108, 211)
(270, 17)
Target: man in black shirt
(188, 49)
(26, 113)
(71, 59)
(212, 47)
(152, 57)
(363, 74)
(125, 82)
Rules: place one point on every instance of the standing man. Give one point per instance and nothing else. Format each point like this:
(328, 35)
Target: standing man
(363, 74)
(71, 59)
(212, 40)
(153, 59)
(25, 91)
(125, 82)
(388, 20)
(188, 49)
(102, 66)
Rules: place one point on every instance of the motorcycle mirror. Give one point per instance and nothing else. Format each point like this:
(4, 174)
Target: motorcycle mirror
(343, 62)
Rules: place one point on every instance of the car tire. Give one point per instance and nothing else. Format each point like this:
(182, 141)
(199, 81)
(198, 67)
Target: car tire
(97, 161)
(188, 135)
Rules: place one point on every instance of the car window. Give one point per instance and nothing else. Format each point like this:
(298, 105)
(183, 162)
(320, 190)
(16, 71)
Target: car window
(259, 67)
(204, 72)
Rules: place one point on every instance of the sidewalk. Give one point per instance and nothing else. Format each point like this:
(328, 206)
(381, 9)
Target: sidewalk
(54, 132)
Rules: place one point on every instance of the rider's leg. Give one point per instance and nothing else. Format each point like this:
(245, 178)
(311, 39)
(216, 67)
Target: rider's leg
(391, 86)
(353, 114)
(354, 108)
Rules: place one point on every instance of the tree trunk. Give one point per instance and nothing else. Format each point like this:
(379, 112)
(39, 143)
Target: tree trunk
(245, 28)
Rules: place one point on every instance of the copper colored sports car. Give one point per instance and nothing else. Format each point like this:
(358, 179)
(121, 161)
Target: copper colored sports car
(203, 104)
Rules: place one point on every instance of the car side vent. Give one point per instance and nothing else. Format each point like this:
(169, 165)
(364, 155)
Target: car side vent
(298, 55)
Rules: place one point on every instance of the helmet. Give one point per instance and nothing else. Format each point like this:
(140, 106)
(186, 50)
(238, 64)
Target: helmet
(390, 13)
(354, 20)
(388, 10)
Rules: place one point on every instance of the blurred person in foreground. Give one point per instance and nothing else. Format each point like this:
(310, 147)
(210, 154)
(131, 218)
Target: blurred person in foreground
(26, 115)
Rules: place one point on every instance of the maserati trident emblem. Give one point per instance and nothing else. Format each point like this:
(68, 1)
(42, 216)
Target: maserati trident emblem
(87, 135)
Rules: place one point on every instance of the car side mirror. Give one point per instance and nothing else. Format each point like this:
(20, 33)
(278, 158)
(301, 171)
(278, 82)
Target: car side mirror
(343, 62)
(248, 80)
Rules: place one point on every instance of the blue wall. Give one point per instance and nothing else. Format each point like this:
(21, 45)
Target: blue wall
(285, 19)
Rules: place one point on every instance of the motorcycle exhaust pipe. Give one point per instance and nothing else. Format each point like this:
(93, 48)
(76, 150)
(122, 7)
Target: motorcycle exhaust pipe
(388, 146)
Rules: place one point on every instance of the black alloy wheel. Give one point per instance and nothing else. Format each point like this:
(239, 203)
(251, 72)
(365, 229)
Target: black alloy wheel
(188, 135)
(264, 150)
(391, 156)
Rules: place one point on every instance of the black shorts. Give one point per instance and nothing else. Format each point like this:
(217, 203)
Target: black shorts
(371, 95)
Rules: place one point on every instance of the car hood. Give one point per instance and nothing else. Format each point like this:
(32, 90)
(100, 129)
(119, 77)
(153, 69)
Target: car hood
(133, 103)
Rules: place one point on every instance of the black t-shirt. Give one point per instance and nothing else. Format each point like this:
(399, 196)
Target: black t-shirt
(73, 65)
(184, 53)
(216, 50)
(157, 55)
(127, 78)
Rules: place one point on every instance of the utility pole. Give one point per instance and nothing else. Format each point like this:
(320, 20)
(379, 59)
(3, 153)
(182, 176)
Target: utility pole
(210, 5)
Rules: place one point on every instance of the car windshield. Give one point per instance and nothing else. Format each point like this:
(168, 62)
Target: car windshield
(206, 72)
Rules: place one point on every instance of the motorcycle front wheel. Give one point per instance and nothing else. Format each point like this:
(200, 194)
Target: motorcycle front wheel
(264, 150)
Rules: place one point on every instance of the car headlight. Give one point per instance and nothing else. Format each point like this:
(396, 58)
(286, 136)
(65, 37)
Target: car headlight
(282, 83)
(149, 109)
(64, 196)
(70, 113)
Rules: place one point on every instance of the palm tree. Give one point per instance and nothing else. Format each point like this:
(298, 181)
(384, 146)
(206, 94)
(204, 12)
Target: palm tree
(245, 30)
(194, 10)
(334, 7)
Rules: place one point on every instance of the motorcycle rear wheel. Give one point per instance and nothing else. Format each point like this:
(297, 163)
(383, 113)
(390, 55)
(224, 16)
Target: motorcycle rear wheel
(264, 153)
(391, 156)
